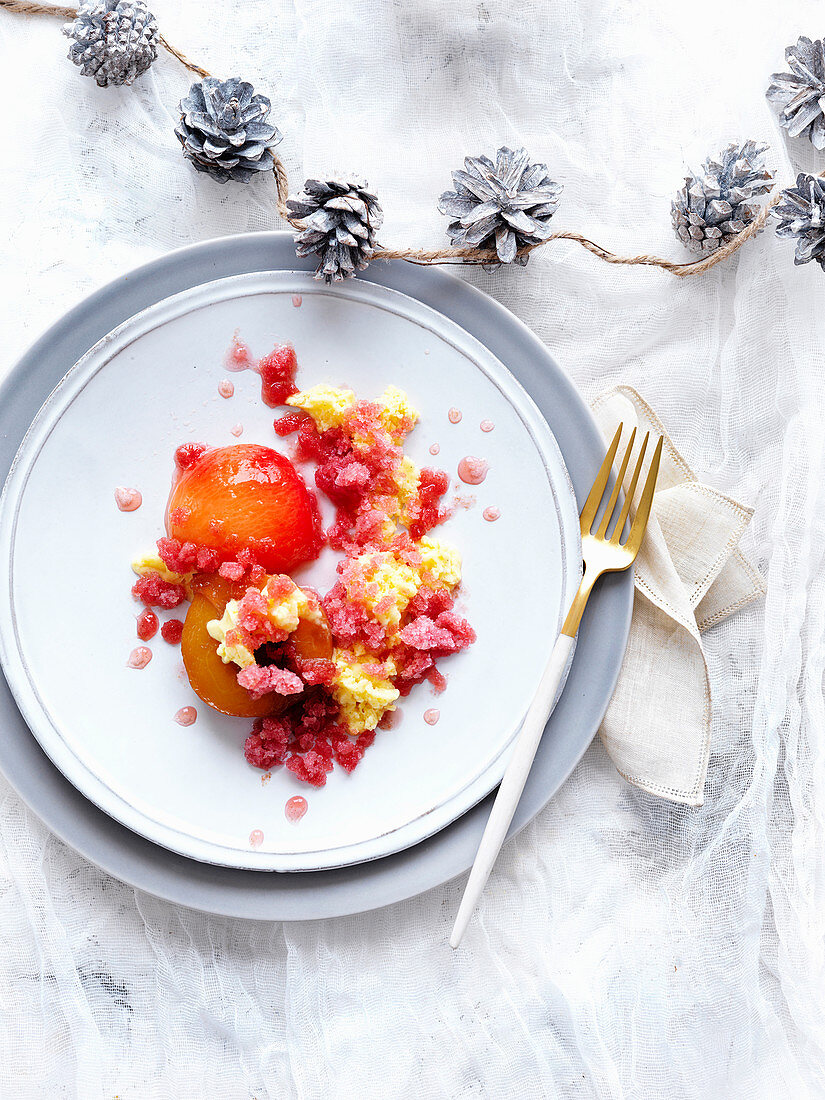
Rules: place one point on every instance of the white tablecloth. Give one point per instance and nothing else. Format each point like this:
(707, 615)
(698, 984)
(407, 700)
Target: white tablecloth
(625, 947)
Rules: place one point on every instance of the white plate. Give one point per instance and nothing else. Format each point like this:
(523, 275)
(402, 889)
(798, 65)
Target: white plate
(65, 551)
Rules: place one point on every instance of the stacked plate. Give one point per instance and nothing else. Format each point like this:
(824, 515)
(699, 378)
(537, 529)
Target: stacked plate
(92, 745)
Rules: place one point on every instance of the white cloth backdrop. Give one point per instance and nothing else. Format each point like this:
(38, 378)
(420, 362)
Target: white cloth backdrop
(625, 947)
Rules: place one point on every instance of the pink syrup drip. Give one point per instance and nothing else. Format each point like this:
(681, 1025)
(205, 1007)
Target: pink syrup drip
(472, 471)
(239, 357)
(139, 657)
(297, 300)
(147, 624)
(491, 514)
(431, 716)
(486, 425)
(434, 448)
(295, 808)
(256, 838)
(391, 719)
(438, 681)
(236, 430)
(186, 716)
(454, 416)
(128, 500)
(226, 388)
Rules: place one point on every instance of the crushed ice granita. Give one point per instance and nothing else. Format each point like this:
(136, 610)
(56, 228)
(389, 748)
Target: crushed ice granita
(319, 674)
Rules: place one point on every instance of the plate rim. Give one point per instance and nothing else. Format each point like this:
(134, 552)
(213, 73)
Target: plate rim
(62, 749)
(308, 895)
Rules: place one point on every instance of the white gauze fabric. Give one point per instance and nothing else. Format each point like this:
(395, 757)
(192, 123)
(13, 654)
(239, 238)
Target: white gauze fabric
(625, 947)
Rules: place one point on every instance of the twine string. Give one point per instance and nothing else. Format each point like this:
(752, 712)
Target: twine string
(184, 60)
(455, 255)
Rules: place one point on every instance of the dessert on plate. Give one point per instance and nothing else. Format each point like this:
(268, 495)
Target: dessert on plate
(317, 673)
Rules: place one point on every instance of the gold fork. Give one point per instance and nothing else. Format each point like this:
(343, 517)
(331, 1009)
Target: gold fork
(601, 554)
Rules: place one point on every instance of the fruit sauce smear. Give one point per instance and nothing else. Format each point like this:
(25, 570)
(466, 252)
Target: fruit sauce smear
(319, 675)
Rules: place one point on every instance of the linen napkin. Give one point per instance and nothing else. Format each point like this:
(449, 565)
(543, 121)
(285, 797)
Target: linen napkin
(690, 575)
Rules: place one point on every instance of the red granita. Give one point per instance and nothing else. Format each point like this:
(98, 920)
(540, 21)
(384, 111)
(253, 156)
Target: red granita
(430, 602)
(266, 746)
(412, 666)
(177, 556)
(231, 570)
(447, 634)
(425, 510)
(152, 590)
(172, 631)
(307, 739)
(263, 680)
(349, 621)
(253, 616)
(147, 625)
(277, 372)
(290, 422)
(314, 670)
(311, 767)
(350, 751)
(188, 454)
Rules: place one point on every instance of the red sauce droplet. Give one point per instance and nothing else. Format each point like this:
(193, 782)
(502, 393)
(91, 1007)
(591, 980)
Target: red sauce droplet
(472, 471)
(486, 425)
(236, 430)
(454, 416)
(256, 838)
(226, 388)
(297, 300)
(431, 716)
(186, 716)
(434, 449)
(491, 514)
(147, 624)
(239, 356)
(139, 657)
(128, 500)
(295, 808)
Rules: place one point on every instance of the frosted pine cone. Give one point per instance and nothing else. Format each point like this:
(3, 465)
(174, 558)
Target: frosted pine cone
(801, 213)
(800, 94)
(223, 129)
(715, 203)
(340, 219)
(113, 40)
(500, 207)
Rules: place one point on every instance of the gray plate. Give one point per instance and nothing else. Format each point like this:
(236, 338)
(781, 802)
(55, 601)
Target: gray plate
(302, 896)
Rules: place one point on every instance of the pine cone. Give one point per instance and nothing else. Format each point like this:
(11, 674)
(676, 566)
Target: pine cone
(801, 212)
(340, 220)
(503, 206)
(223, 129)
(800, 94)
(714, 205)
(113, 40)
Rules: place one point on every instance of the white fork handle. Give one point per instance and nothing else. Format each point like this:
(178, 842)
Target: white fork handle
(512, 784)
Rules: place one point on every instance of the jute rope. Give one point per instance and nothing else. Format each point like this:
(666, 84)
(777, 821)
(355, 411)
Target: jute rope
(456, 255)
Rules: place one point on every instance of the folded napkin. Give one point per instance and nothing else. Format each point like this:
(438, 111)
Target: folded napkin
(690, 575)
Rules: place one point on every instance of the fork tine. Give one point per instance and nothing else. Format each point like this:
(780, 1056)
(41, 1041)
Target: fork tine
(637, 531)
(617, 485)
(591, 505)
(631, 492)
